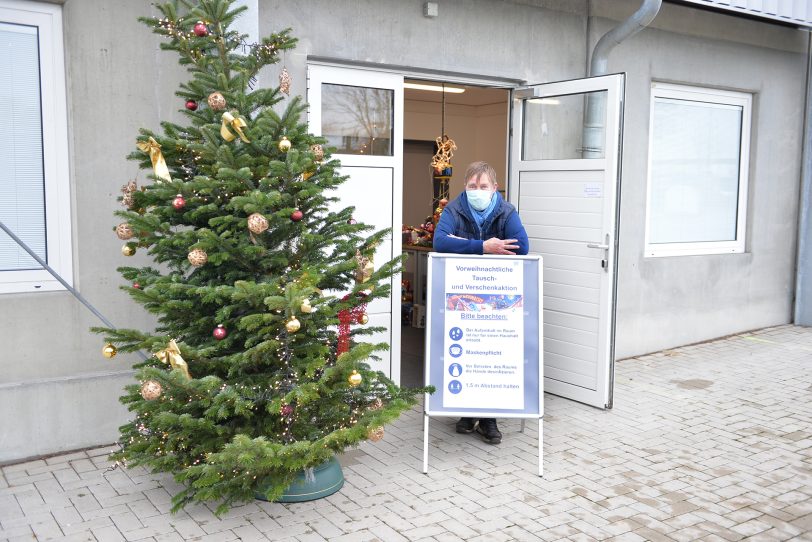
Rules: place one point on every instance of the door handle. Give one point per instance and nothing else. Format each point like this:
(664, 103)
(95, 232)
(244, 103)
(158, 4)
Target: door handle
(605, 248)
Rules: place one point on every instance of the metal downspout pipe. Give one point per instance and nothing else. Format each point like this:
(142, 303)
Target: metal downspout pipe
(803, 278)
(593, 137)
(628, 28)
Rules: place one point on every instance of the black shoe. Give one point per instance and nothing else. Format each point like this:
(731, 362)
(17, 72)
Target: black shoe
(488, 430)
(466, 425)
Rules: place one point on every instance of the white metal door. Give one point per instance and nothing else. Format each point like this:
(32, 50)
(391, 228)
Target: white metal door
(565, 167)
(360, 112)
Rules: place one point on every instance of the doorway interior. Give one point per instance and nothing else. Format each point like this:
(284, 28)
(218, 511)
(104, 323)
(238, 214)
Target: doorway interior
(477, 119)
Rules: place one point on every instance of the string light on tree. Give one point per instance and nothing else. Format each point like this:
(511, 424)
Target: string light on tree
(284, 375)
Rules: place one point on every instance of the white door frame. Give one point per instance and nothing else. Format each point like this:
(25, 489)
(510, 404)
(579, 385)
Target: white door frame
(604, 247)
(318, 74)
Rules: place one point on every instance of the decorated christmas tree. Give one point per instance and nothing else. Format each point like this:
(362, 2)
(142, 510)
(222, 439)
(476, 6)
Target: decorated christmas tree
(256, 370)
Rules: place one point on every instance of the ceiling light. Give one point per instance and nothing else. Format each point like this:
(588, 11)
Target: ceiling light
(435, 88)
(545, 101)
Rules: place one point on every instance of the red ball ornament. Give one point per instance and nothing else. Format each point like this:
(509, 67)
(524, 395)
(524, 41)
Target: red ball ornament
(219, 332)
(296, 215)
(351, 221)
(136, 286)
(287, 410)
(178, 203)
(191, 105)
(201, 30)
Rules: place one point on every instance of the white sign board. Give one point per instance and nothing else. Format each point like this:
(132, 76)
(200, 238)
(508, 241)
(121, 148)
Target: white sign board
(484, 344)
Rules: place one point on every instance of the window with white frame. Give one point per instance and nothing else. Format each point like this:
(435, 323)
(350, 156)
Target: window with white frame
(696, 197)
(34, 176)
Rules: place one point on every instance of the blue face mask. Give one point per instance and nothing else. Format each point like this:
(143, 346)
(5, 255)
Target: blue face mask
(479, 199)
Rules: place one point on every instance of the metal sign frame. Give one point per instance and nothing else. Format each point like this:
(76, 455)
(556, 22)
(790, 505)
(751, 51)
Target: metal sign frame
(533, 411)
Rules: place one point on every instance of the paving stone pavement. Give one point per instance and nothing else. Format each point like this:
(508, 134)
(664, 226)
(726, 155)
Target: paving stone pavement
(705, 442)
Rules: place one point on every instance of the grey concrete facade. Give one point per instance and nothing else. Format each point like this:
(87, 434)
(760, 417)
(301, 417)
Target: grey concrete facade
(58, 393)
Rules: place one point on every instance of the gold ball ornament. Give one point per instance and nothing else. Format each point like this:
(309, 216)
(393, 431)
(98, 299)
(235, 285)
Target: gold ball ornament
(306, 307)
(355, 379)
(293, 325)
(284, 144)
(198, 257)
(109, 351)
(375, 434)
(151, 390)
(216, 101)
(257, 223)
(318, 152)
(363, 319)
(128, 249)
(377, 404)
(124, 231)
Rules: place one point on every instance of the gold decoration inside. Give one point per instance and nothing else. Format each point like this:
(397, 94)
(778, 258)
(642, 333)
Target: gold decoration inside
(171, 356)
(355, 379)
(128, 249)
(153, 148)
(377, 404)
(445, 148)
(364, 319)
(109, 351)
(284, 144)
(151, 390)
(236, 124)
(306, 307)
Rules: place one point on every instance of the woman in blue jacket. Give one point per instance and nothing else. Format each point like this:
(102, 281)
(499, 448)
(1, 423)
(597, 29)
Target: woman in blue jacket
(480, 221)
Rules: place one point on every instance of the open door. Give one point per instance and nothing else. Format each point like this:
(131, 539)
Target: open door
(360, 112)
(565, 181)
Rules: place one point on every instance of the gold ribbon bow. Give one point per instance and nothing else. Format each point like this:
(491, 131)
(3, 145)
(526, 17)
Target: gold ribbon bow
(171, 355)
(153, 148)
(236, 123)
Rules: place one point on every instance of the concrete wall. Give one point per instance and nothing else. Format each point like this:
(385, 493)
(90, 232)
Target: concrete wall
(56, 390)
(666, 302)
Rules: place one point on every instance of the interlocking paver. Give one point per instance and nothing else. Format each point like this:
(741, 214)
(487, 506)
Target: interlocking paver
(706, 442)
